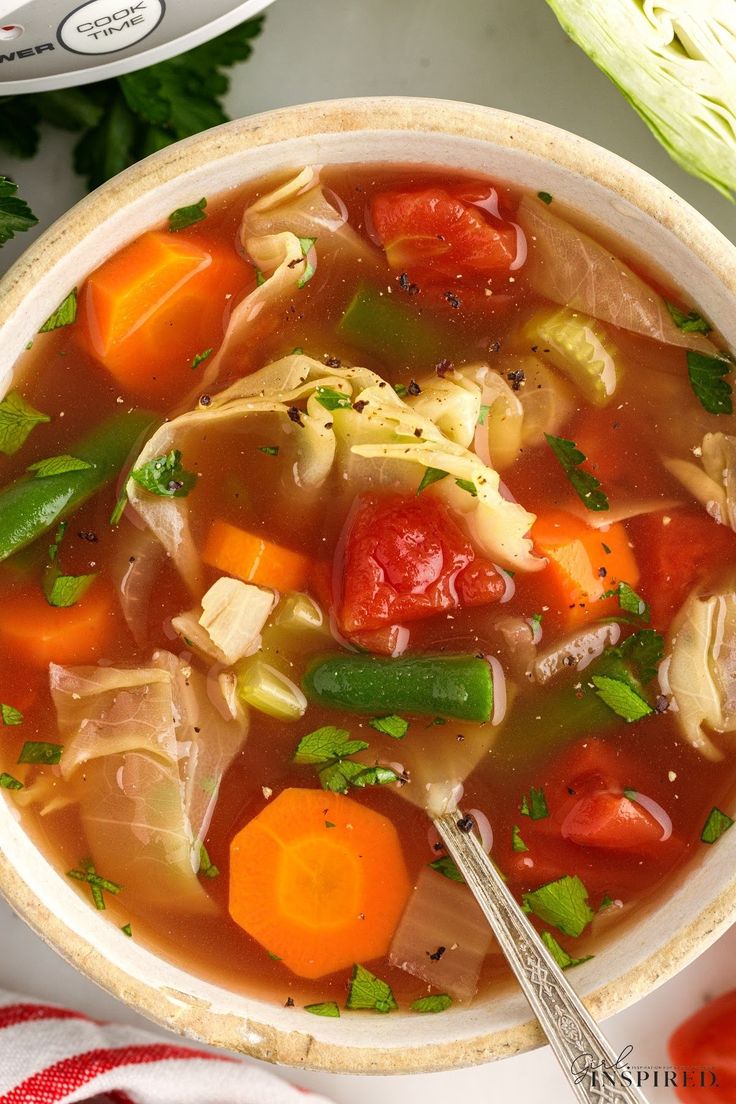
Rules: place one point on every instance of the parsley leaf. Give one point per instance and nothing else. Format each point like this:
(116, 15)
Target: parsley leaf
(325, 744)
(563, 904)
(200, 357)
(164, 476)
(559, 954)
(325, 1008)
(7, 782)
(367, 991)
(467, 485)
(517, 843)
(331, 399)
(690, 322)
(17, 419)
(621, 698)
(628, 600)
(401, 389)
(705, 374)
(483, 414)
(183, 217)
(328, 749)
(10, 715)
(15, 214)
(392, 726)
(431, 475)
(57, 465)
(448, 868)
(717, 823)
(63, 590)
(95, 882)
(127, 930)
(536, 805)
(269, 450)
(64, 315)
(585, 484)
(644, 651)
(206, 867)
(307, 244)
(545, 197)
(36, 751)
(435, 1002)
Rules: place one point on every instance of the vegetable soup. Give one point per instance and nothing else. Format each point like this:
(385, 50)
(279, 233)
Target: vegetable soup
(342, 501)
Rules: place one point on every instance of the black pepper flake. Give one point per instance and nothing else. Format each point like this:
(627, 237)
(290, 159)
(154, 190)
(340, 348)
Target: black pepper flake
(328, 425)
(332, 361)
(174, 485)
(414, 388)
(439, 846)
(289, 1002)
(417, 433)
(295, 415)
(494, 347)
(406, 284)
(465, 824)
(88, 535)
(569, 661)
(360, 405)
(205, 400)
(443, 367)
(452, 299)
(437, 955)
(571, 791)
(516, 378)
(602, 572)
(662, 704)
(197, 730)
(459, 737)
(534, 348)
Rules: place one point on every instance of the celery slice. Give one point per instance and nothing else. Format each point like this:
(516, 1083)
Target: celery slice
(576, 345)
(270, 691)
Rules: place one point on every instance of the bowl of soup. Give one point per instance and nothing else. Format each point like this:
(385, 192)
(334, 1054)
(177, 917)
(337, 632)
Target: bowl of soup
(362, 462)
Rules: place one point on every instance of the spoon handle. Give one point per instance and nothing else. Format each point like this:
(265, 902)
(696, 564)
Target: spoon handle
(589, 1063)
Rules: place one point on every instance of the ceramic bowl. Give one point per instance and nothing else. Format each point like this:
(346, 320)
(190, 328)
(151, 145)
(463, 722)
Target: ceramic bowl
(625, 202)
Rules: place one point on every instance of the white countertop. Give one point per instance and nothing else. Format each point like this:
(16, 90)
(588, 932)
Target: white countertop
(505, 53)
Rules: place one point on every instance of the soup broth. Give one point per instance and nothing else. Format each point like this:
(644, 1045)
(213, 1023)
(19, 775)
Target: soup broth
(377, 492)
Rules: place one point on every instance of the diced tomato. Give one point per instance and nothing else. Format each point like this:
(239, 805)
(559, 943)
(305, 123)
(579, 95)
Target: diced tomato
(706, 1042)
(610, 820)
(676, 549)
(437, 235)
(406, 558)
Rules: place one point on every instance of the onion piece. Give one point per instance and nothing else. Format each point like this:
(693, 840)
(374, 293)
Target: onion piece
(442, 914)
(499, 690)
(485, 831)
(576, 650)
(135, 565)
(657, 813)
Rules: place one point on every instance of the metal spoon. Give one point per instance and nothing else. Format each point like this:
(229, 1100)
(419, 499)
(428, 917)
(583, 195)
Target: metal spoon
(592, 1069)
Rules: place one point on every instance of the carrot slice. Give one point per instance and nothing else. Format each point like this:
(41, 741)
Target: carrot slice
(318, 880)
(39, 634)
(149, 310)
(254, 559)
(583, 564)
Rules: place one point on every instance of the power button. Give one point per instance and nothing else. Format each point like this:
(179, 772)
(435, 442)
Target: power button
(107, 26)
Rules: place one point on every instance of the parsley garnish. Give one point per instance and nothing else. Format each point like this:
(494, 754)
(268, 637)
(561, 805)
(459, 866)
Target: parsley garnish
(535, 806)
(183, 217)
(10, 715)
(36, 751)
(517, 843)
(448, 868)
(584, 483)
(15, 214)
(307, 244)
(260, 278)
(392, 726)
(127, 930)
(563, 904)
(628, 600)
(325, 1008)
(63, 590)
(200, 357)
(545, 197)
(436, 1002)
(621, 698)
(17, 419)
(483, 414)
(717, 823)
(57, 465)
(431, 475)
(705, 374)
(559, 954)
(164, 476)
(331, 399)
(269, 450)
(64, 315)
(625, 670)
(467, 485)
(400, 389)
(367, 991)
(644, 651)
(605, 903)
(97, 884)
(328, 749)
(9, 783)
(692, 322)
(206, 867)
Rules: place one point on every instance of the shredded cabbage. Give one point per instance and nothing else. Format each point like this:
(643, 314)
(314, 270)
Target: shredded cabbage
(675, 62)
(713, 481)
(227, 626)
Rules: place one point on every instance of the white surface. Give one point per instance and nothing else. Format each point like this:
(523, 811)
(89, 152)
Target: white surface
(507, 53)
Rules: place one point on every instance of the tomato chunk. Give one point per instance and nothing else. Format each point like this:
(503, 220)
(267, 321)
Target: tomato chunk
(612, 821)
(430, 233)
(707, 1041)
(407, 558)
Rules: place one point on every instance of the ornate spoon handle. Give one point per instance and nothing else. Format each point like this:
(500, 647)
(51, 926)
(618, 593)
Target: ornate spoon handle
(586, 1058)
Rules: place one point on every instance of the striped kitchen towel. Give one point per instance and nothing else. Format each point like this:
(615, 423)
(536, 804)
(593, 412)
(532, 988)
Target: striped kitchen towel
(52, 1055)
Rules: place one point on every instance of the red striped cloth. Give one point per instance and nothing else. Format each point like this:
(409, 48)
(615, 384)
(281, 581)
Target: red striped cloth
(51, 1055)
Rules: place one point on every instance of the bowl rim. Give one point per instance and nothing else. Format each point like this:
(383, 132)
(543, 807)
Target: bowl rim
(374, 114)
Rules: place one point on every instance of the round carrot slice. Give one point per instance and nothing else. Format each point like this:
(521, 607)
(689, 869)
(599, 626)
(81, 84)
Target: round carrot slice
(319, 881)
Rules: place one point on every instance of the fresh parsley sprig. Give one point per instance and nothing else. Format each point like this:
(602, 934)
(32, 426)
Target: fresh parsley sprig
(15, 214)
(584, 483)
(328, 749)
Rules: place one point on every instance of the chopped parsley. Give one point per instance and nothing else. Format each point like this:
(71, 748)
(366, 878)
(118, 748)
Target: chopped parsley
(431, 475)
(535, 806)
(467, 485)
(401, 389)
(629, 601)
(328, 749)
(483, 414)
(269, 450)
(621, 698)
(64, 315)
(325, 1008)
(625, 670)
(307, 245)
(183, 217)
(9, 783)
(206, 867)
(331, 399)
(562, 903)
(644, 651)
(605, 903)
(165, 476)
(260, 278)
(448, 868)
(559, 954)
(717, 823)
(127, 930)
(120, 503)
(10, 715)
(57, 465)
(98, 886)
(584, 483)
(15, 214)
(63, 590)
(36, 751)
(706, 379)
(367, 991)
(436, 1002)
(545, 197)
(517, 843)
(690, 322)
(200, 357)
(392, 726)
(17, 420)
